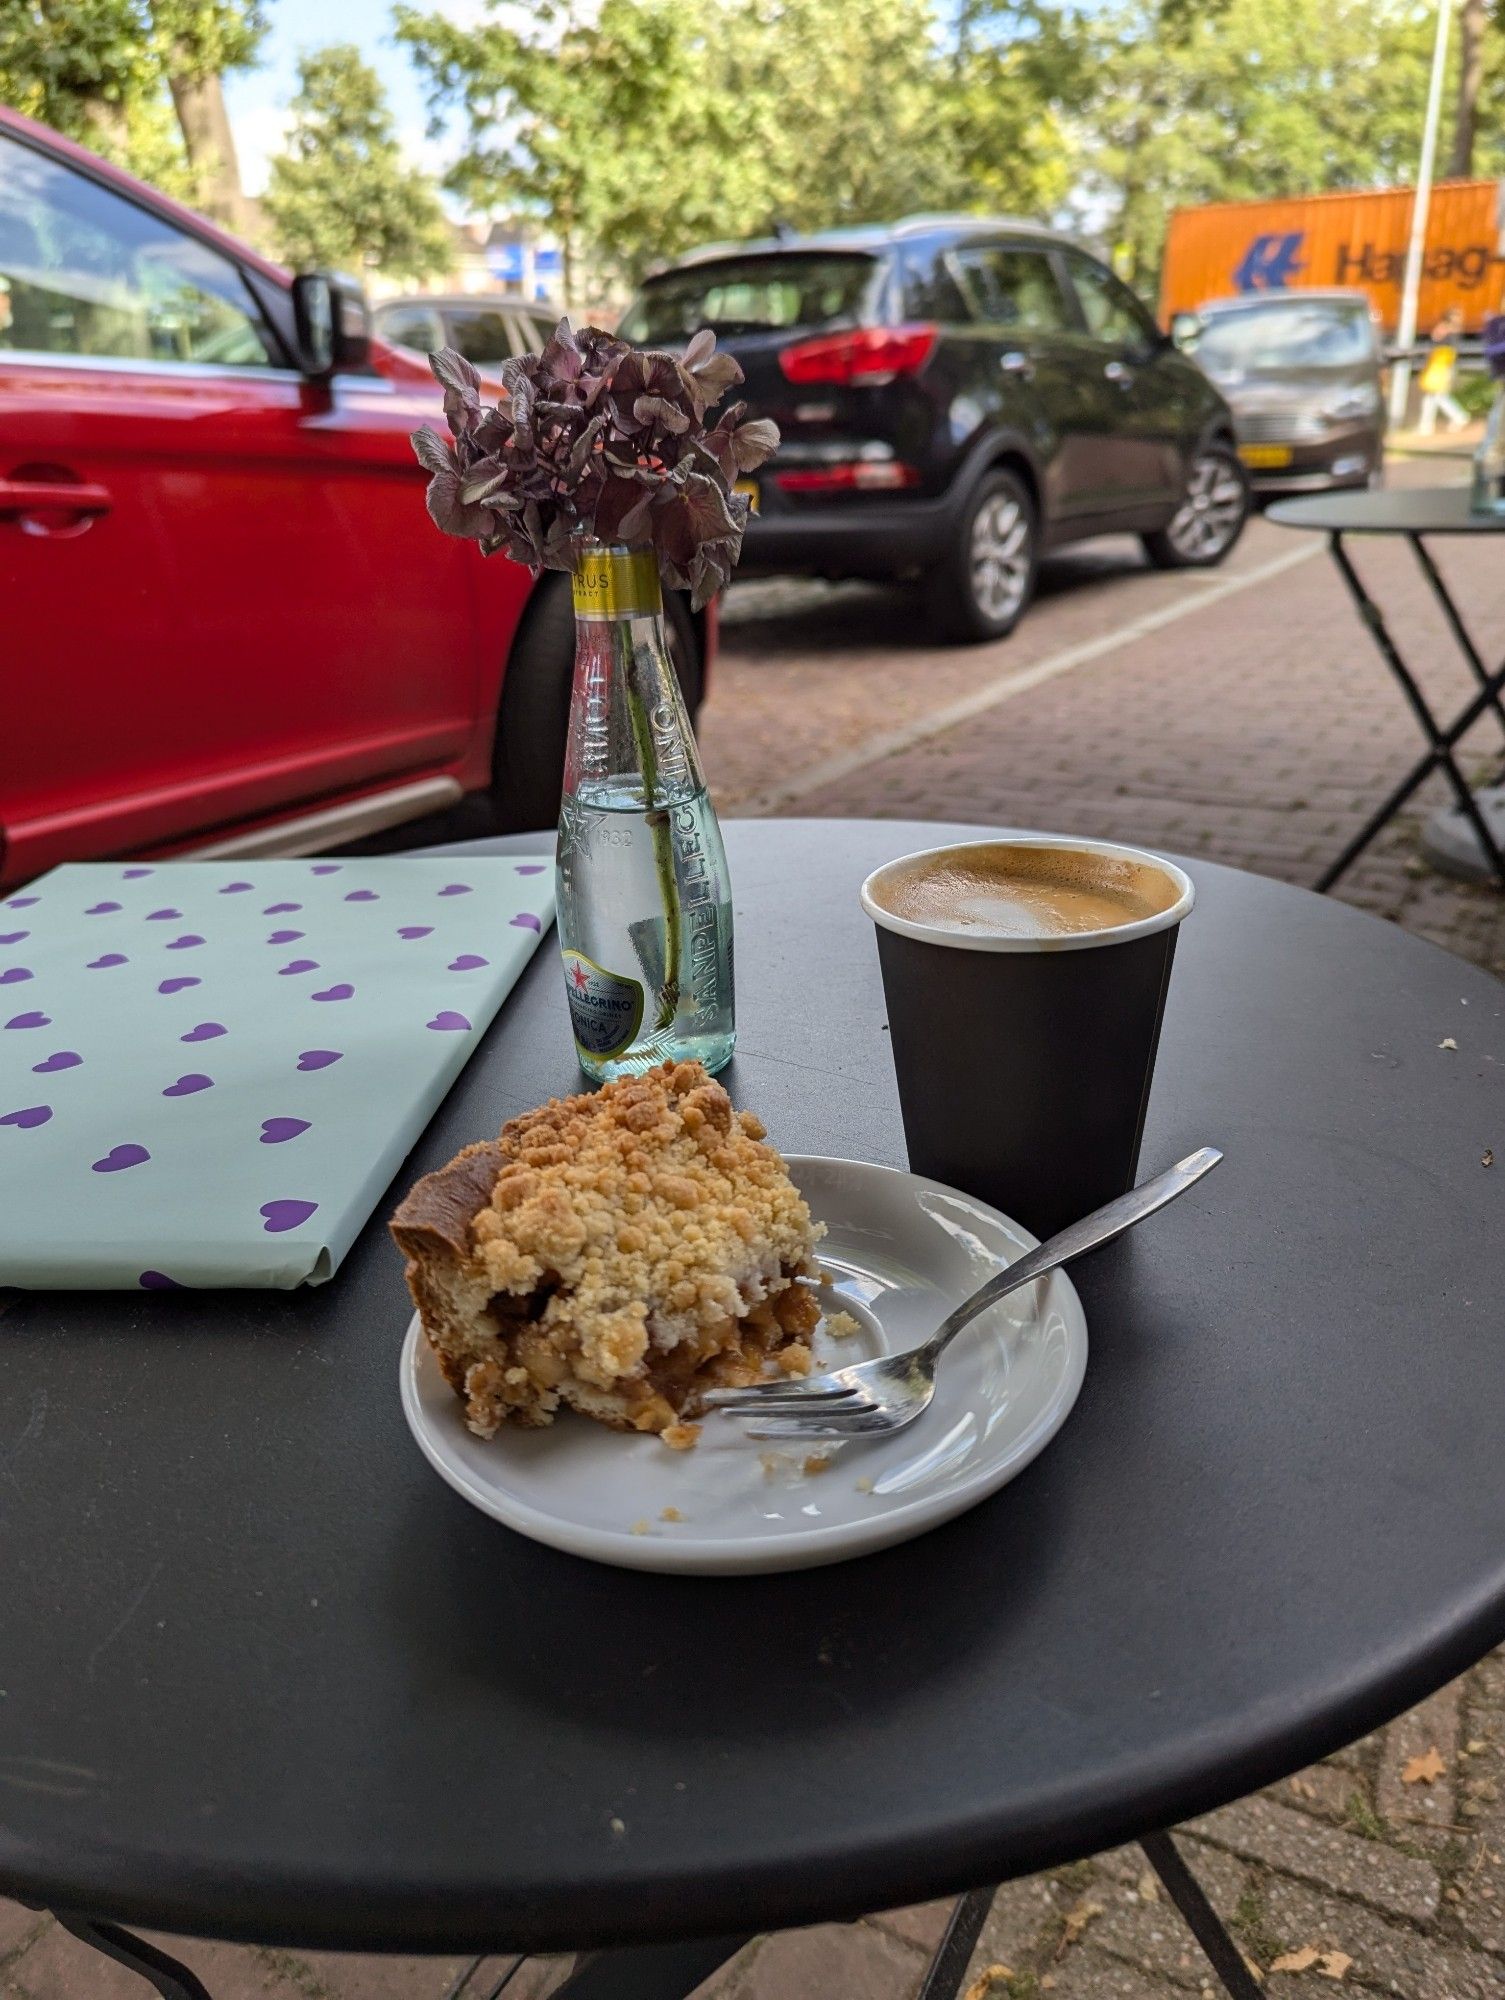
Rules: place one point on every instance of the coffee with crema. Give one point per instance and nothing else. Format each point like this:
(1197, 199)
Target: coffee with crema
(1016, 889)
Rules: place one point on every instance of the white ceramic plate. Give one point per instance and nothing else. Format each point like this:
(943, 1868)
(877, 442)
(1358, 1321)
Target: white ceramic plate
(901, 1252)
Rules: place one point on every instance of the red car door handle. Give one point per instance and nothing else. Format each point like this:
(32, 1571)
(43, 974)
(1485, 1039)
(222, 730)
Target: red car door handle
(45, 496)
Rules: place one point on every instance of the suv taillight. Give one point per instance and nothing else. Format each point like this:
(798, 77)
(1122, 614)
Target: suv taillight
(864, 358)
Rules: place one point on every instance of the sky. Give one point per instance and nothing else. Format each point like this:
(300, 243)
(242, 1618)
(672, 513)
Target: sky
(257, 100)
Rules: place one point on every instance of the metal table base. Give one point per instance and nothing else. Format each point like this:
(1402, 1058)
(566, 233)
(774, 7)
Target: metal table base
(674, 1971)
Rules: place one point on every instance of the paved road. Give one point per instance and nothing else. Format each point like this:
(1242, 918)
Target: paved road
(1241, 715)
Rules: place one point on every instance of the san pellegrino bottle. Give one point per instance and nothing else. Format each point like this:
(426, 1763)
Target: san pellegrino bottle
(645, 912)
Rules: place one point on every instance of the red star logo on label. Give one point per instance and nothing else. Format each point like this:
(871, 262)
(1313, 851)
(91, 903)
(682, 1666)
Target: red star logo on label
(578, 974)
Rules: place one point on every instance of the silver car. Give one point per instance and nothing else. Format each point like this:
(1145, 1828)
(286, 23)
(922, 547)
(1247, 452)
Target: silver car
(485, 327)
(1302, 374)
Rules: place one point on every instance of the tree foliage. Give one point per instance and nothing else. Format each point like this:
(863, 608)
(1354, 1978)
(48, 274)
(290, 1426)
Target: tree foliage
(341, 193)
(101, 70)
(636, 128)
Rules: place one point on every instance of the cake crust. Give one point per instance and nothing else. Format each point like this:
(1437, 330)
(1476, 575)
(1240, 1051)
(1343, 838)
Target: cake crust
(619, 1252)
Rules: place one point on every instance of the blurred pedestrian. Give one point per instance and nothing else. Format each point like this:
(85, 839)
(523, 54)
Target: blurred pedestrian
(1437, 376)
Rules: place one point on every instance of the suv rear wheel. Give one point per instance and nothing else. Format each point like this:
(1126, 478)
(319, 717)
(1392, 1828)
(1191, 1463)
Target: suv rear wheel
(980, 591)
(1211, 517)
(527, 764)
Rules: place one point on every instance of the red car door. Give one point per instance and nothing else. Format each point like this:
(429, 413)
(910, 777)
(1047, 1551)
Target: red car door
(221, 597)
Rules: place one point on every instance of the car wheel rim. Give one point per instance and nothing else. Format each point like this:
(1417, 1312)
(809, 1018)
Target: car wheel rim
(1209, 517)
(1000, 556)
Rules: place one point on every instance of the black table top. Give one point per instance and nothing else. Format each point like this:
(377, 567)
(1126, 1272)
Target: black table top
(1411, 510)
(265, 1676)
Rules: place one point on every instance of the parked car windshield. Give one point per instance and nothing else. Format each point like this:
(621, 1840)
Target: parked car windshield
(1286, 336)
(762, 294)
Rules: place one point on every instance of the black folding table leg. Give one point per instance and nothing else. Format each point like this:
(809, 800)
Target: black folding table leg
(650, 1971)
(166, 1975)
(948, 1968)
(1441, 740)
(1489, 682)
(1202, 1920)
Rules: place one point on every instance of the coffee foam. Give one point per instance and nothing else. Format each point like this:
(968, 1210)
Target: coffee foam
(1024, 890)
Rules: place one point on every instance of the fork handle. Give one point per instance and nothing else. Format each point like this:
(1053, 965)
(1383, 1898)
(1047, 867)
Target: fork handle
(1076, 1239)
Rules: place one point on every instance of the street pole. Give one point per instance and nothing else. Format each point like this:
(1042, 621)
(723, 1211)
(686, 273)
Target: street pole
(1416, 250)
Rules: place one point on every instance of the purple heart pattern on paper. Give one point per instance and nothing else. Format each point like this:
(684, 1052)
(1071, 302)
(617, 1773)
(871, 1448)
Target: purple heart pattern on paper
(341, 992)
(530, 868)
(14, 974)
(135, 874)
(165, 917)
(284, 937)
(34, 1114)
(189, 1086)
(456, 889)
(185, 943)
(236, 888)
(526, 921)
(448, 1018)
(467, 962)
(22, 903)
(415, 930)
(281, 1215)
(325, 868)
(180, 984)
(110, 958)
(206, 1031)
(31, 1020)
(280, 909)
(101, 909)
(277, 1131)
(319, 1058)
(298, 965)
(64, 1059)
(14, 937)
(363, 896)
(158, 1281)
(120, 1157)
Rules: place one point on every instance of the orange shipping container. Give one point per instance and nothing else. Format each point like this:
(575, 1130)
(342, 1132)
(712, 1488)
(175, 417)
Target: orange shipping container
(1343, 239)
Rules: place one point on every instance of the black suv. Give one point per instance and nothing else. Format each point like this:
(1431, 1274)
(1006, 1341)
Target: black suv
(956, 395)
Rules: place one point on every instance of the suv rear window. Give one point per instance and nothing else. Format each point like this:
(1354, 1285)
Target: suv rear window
(768, 294)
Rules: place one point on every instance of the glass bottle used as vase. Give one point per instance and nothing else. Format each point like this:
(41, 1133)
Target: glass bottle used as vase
(645, 912)
(1489, 461)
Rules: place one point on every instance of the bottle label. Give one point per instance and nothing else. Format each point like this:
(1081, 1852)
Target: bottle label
(606, 1008)
(618, 583)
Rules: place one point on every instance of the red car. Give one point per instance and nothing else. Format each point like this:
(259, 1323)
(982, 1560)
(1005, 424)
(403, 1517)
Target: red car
(226, 624)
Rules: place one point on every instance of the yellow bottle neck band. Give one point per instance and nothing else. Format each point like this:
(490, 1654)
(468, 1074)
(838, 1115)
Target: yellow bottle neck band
(617, 583)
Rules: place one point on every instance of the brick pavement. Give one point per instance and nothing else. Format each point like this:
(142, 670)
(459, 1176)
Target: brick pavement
(1240, 716)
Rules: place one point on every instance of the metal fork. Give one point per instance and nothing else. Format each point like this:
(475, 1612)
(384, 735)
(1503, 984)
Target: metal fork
(874, 1398)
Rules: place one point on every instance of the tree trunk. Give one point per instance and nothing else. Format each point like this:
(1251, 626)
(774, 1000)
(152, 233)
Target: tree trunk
(207, 139)
(1470, 82)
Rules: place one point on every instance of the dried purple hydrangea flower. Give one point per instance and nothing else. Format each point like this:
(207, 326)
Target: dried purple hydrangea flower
(596, 440)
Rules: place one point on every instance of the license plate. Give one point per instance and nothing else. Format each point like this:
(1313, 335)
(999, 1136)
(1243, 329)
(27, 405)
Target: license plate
(1265, 457)
(748, 488)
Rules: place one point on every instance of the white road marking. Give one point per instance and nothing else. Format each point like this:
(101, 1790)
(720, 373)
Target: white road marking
(814, 777)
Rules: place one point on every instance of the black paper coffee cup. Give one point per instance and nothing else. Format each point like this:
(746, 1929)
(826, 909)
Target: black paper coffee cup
(1024, 1063)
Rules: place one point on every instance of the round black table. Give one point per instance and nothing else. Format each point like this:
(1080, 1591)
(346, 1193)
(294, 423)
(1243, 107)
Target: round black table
(1468, 837)
(265, 1677)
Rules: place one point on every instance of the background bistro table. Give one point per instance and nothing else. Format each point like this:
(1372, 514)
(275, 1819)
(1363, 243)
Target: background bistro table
(266, 1678)
(1465, 839)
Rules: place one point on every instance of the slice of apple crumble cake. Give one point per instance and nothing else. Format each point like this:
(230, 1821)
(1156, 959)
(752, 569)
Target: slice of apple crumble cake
(620, 1252)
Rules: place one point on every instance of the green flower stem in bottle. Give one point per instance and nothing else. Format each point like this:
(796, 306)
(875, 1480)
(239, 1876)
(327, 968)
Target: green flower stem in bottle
(645, 912)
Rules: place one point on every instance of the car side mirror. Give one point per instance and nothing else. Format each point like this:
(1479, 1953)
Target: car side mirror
(1185, 327)
(332, 322)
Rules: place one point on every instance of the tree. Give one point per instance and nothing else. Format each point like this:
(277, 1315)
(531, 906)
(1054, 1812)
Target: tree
(139, 82)
(1256, 98)
(197, 42)
(342, 194)
(635, 128)
(1473, 21)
